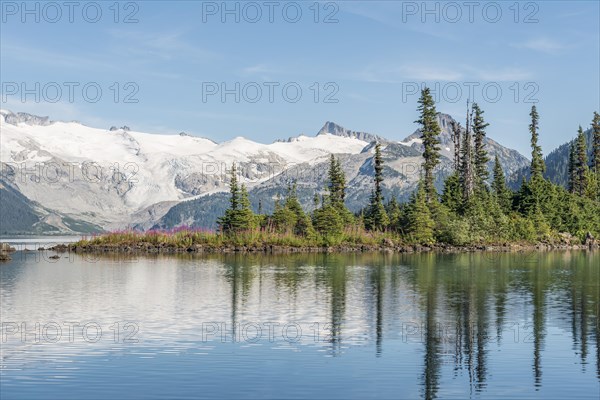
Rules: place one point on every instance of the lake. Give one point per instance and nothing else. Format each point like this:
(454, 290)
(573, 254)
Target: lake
(306, 326)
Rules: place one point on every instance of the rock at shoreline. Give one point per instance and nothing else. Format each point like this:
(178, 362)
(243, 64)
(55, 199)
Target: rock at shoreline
(60, 248)
(5, 250)
(591, 242)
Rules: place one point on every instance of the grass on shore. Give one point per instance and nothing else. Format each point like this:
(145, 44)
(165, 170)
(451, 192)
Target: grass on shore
(188, 237)
(185, 237)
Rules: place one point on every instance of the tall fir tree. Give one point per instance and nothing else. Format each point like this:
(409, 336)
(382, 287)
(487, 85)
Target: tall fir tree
(239, 216)
(246, 217)
(596, 145)
(377, 218)
(227, 221)
(337, 182)
(456, 140)
(452, 196)
(481, 158)
(596, 154)
(337, 190)
(420, 220)
(378, 166)
(300, 223)
(467, 169)
(538, 166)
(581, 164)
(499, 186)
(573, 184)
(430, 130)
(234, 189)
(394, 213)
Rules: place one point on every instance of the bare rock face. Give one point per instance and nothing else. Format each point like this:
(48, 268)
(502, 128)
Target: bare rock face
(566, 238)
(591, 242)
(511, 160)
(334, 129)
(21, 117)
(123, 128)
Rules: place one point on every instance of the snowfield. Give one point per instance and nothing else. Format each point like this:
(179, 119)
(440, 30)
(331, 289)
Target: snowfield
(109, 175)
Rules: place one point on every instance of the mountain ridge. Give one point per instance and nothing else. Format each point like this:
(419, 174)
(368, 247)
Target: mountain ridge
(138, 178)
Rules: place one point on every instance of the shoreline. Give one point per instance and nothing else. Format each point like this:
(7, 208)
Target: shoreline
(341, 249)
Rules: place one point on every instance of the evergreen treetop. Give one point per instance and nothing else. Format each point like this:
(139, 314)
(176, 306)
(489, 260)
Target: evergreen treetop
(538, 166)
(480, 153)
(430, 130)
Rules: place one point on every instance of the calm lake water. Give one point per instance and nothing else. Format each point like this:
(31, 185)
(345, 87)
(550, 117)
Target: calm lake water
(301, 326)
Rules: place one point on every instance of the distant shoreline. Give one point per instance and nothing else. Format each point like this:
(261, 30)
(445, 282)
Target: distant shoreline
(341, 249)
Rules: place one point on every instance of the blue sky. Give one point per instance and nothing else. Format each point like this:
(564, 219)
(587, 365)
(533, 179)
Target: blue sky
(368, 59)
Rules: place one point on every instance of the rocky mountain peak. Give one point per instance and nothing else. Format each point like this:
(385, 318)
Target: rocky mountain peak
(511, 160)
(21, 117)
(123, 128)
(334, 129)
(445, 122)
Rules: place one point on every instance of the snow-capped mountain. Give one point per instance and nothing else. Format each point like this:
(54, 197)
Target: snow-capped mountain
(77, 178)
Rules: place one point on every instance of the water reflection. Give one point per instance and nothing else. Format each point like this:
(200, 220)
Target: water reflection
(445, 325)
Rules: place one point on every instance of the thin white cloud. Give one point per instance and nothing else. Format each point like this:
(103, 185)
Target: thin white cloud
(542, 45)
(499, 74)
(22, 52)
(363, 99)
(391, 15)
(403, 73)
(258, 69)
(158, 45)
(262, 71)
(429, 73)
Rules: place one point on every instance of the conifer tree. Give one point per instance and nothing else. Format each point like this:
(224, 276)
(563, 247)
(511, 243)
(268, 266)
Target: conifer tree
(337, 190)
(573, 184)
(378, 161)
(430, 130)
(328, 222)
(581, 164)
(394, 213)
(596, 145)
(481, 158)
(499, 186)
(420, 220)
(302, 224)
(316, 201)
(538, 167)
(337, 182)
(290, 217)
(456, 136)
(246, 217)
(234, 189)
(467, 178)
(239, 216)
(377, 218)
(596, 154)
(452, 196)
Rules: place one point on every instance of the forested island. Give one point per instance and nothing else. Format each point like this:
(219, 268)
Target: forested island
(474, 210)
